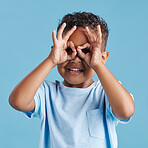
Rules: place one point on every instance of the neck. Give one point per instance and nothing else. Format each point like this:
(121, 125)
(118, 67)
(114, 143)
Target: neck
(80, 85)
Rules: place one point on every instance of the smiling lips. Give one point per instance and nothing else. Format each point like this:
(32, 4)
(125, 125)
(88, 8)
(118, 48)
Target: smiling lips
(74, 69)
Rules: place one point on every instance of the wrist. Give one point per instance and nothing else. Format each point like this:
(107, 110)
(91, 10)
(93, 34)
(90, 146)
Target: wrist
(51, 62)
(97, 65)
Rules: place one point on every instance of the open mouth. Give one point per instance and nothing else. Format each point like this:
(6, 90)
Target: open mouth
(75, 69)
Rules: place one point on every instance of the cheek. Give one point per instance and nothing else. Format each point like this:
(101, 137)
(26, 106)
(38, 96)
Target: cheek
(60, 69)
(89, 72)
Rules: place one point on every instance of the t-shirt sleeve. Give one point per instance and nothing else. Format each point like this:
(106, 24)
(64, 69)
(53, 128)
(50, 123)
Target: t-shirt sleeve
(110, 113)
(39, 99)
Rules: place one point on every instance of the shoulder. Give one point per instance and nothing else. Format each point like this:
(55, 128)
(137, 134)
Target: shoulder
(50, 85)
(98, 88)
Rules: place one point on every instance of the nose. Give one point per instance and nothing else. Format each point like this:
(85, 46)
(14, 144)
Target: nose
(77, 58)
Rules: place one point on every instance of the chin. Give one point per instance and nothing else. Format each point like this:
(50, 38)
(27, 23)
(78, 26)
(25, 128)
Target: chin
(78, 83)
(73, 82)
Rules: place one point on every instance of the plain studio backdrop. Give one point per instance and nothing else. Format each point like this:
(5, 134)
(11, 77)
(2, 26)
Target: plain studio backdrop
(25, 41)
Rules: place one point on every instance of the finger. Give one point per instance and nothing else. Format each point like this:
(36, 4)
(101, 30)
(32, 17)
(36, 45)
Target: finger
(81, 54)
(99, 34)
(60, 31)
(85, 48)
(73, 55)
(69, 33)
(54, 36)
(86, 45)
(89, 35)
(71, 45)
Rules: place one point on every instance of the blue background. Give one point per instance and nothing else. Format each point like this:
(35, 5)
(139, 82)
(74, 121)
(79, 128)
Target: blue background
(25, 41)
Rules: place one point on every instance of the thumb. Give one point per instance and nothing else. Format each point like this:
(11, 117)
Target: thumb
(86, 45)
(80, 53)
(72, 55)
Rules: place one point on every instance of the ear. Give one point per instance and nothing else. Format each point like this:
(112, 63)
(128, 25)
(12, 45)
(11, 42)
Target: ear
(105, 56)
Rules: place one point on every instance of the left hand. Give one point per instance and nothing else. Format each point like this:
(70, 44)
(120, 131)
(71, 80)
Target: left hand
(94, 56)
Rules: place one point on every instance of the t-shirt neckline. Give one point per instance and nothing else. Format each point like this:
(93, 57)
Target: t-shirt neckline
(76, 90)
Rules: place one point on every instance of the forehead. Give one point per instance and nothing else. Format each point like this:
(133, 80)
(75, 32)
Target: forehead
(79, 37)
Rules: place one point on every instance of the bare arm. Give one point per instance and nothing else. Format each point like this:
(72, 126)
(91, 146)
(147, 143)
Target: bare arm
(119, 98)
(21, 98)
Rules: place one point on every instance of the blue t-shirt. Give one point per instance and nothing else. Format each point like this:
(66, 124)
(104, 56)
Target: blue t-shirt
(74, 117)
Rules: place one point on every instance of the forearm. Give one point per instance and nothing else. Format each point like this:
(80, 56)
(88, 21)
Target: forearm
(119, 98)
(25, 91)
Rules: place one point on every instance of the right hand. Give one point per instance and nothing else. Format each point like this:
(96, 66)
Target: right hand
(58, 52)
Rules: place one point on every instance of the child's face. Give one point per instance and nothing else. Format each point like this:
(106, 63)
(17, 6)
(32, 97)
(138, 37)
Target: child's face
(76, 72)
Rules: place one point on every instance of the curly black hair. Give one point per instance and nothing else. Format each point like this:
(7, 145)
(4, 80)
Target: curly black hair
(83, 19)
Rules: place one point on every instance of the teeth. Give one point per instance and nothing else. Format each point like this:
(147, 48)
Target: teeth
(74, 69)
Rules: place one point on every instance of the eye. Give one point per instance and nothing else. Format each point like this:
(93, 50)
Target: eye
(85, 50)
(69, 50)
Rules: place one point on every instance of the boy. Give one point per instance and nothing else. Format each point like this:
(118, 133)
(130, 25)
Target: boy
(78, 112)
